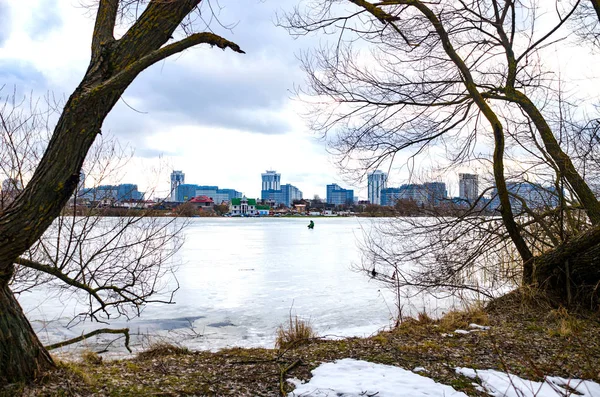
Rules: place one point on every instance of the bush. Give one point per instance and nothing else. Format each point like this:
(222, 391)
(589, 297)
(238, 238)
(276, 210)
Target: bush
(298, 332)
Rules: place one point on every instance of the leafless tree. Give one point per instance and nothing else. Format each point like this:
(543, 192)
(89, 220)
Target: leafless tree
(462, 76)
(113, 265)
(151, 31)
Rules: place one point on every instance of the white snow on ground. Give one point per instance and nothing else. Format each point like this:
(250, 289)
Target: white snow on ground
(480, 327)
(500, 384)
(354, 378)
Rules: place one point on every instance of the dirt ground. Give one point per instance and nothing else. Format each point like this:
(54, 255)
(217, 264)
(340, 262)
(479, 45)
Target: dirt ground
(524, 338)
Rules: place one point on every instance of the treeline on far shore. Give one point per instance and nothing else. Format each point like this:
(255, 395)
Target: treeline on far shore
(402, 208)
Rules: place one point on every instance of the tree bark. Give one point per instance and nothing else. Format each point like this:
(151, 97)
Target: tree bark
(596, 5)
(22, 356)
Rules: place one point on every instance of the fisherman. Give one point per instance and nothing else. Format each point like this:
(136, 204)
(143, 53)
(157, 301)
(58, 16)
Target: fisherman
(311, 225)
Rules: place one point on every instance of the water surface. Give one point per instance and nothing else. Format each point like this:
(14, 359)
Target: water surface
(241, 278)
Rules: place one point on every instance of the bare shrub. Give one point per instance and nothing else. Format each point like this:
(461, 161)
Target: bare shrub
(161, 349)
(298, 332)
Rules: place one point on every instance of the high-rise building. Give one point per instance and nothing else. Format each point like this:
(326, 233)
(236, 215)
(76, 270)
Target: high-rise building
(81, 183)
(177, 179)
(390, 195)
(226, 195)
(429, 193)
(435, 192)
(338, 195)
(187, 191)
(376, 181)
(122, 192)
(468, 187)
(276, 193)
(290, 193)
(271, 180)
(533, 195)
(286, 195)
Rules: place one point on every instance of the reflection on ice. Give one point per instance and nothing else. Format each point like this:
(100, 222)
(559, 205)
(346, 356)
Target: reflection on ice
(239, 280)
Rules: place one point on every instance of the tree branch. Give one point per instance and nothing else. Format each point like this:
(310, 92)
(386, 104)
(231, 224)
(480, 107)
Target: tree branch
(53, 271)
(377, 12)
(124, 331)
(126, 75)
(579, 244)
(484, 107)
(105, 25)
(151, 31)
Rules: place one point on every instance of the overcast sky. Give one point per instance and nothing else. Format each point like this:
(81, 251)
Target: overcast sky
(221, 117)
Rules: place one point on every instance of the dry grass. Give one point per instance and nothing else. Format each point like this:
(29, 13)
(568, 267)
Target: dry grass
(518, 342)
(162, 349)
(566, 324)
(423, 318)
(91, 358)
(460, 319)
(298, 332)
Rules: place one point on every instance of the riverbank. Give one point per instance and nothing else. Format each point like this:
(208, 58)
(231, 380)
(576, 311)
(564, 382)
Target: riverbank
(520, 335)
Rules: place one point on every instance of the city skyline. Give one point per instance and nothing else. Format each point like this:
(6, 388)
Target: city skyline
(178, 178)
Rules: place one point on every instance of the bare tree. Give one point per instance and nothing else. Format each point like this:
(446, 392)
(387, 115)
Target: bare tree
(113, 266)
(409, 76)
(160, 29)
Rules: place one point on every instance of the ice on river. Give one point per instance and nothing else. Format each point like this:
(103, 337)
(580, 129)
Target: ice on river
(240, 279)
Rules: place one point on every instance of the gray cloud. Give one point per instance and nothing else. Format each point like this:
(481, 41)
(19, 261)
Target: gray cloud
(246, 92)
(22, 75)
(153, 153)
(245, 97)
(5, 21)
(44, 19)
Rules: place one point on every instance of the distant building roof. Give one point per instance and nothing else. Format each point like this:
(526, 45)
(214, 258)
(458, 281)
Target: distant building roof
(201, 199)
(238, 201)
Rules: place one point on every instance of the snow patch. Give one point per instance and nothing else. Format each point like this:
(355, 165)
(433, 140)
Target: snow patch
(500, 384)
(354, 378)
(480, 327)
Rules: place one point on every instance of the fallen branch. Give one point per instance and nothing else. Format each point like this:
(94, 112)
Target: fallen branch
(124, 331)
(283, 372)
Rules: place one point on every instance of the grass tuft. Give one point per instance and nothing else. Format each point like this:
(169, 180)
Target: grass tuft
(161, 349)
(460, 319)
(566, 324)
(424, 319)
(91, 358)
(298, 332)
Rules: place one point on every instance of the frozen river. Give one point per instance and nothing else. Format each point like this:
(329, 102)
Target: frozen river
(240, 278)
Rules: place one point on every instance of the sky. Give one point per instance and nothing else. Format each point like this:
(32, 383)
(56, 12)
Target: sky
(222, 118)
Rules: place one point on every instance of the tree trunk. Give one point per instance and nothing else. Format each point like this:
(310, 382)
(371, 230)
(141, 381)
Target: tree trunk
(22, 356)
(114, 65)
(570, 272)
(596, 5)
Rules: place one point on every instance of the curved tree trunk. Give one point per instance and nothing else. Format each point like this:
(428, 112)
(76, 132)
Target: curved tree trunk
(22, 356)
(114, 65)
